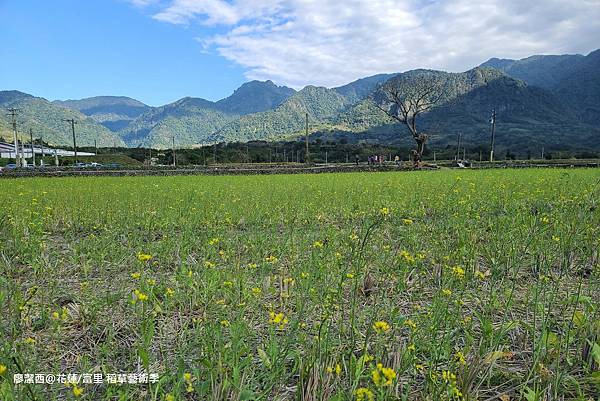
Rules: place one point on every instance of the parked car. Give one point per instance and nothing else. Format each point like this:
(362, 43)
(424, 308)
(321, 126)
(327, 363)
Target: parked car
(11, 166)
(93, 165)
(80, 165)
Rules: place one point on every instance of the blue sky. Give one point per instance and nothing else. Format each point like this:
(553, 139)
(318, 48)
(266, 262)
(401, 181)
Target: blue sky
(61, 49)
(158, 51)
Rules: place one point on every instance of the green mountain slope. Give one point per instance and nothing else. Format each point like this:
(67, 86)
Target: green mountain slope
(289, 118)
(574, 78)
(189, 120)
(361, 88)
(581, 89)
(543, 71)
(254, 97)
(46, 119)
(528, 117)
(193, 121)
(114, 112)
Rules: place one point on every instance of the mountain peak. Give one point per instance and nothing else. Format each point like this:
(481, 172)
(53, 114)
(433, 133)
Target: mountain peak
(255, 96)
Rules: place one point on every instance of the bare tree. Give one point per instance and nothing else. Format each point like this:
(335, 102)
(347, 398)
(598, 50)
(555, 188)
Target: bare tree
(406, 97)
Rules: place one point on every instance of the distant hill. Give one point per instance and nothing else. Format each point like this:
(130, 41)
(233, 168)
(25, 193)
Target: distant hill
(542, 71)
(254, 97)
(114, 112)
(46, 119)
(552, 100)
(289, 118)
(189, 120)
(574, 78)
(361, 88)
(580, 90)
(528, 117)
(193, 120)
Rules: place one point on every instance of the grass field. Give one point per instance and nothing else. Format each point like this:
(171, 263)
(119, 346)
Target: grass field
(441, 285)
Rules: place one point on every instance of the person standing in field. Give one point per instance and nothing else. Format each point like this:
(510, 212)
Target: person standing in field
(397, 160)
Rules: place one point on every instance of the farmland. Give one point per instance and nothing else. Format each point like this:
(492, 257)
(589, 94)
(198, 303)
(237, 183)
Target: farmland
(432, 285)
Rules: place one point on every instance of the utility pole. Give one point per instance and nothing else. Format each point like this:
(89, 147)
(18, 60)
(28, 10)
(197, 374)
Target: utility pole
(73, 122)
(306, 139)
(458, 146)
(215, 153)
(96, 146)
(493, 122)
(13, 114)
(542, 153)
(32, 149)
(174, 156)
(42, 145)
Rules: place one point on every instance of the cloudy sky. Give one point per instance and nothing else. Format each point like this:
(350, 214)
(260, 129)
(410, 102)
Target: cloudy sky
(321, 42)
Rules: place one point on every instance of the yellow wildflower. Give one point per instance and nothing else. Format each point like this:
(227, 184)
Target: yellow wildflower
(77, 391)
(381, 326)
(407, 256)
(143, 257)
(410, 324)
(225, 323)
(136, 275)
(338, 369)
(3, 369)
(407, 222)
(364, 394)
(140, 296)
(384, 211)
(278, 319)
(317, 244)
(460, 358)
(383, 376)
(458, 271)
(271, 259)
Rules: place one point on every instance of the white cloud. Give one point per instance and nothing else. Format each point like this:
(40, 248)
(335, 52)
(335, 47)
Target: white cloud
(331, 42)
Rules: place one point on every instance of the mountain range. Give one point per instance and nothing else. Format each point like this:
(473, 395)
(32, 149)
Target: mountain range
(547, 100)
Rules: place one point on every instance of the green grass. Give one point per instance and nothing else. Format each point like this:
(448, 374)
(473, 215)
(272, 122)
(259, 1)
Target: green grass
(269, 287)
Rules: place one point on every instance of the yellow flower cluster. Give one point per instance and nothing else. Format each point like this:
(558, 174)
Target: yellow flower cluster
(139, 296)
(458, 272)
(410, 324)
(407, 256)
(381, 326)
(383, 376)
(278, 319)
(143, 257)
(364, 394)
(188, 379)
